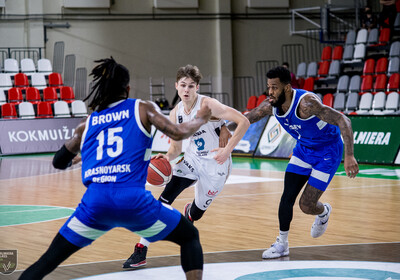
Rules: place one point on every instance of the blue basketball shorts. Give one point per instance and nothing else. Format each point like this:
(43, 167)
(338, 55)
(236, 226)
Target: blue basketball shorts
(104, 207)
(319, 163)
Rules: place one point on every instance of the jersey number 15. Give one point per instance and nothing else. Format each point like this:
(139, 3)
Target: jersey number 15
(111, 139)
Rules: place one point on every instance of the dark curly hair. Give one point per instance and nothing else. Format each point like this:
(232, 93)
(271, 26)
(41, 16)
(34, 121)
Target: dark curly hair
(280, 72)
(110, 83)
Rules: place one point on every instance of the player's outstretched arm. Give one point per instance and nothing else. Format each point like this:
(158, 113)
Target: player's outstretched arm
(264, 109)
(310, 105)
(149, 115)
(224, 112)
(64, 156)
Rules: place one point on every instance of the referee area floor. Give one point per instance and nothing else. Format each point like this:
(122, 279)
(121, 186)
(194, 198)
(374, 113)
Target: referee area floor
(362, 240)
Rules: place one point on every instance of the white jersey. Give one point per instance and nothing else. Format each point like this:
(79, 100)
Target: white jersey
(206, 138)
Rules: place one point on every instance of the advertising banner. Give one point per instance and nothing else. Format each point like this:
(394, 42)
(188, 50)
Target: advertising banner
(275, 141)
(35, 136)
(376, 138)
(247, 145)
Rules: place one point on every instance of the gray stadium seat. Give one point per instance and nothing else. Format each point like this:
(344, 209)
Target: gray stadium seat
(394, 49)
(362, 36)
(38, 80)
(340, 101)
(312, 69)
(352, 102)
(350, 38)
(394, 65)
(44, 66)
(343, 84)
(378, 103)
(301, 70)
(3, 98)
(348, 53)
(392, 103)
(365, 104)
(373, 36)
(359, 52)
(26, 111)
(5, 81)
(27, 66)
(334, 69)
(78, 109)
(61, 109)
(355, 84)
(11, 66)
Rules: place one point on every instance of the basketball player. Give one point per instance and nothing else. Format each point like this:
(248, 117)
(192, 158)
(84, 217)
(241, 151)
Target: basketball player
(115, 144)
(316, 156)
(204, 163)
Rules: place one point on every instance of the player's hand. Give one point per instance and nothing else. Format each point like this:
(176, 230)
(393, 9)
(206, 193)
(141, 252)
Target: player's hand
(204, 113)
(351, 166)
(224, 136)
(160, 156)
(222, 155)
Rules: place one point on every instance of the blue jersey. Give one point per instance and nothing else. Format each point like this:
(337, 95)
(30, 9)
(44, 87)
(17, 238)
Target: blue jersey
(116, 148)
(311, 132)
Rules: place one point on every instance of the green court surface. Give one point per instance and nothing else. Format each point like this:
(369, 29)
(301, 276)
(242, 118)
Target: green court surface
(11, 215)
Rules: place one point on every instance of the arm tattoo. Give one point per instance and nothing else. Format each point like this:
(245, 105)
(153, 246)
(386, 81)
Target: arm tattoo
(260, 112)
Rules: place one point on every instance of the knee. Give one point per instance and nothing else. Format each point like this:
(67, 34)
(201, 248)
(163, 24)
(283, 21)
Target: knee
(306, 206)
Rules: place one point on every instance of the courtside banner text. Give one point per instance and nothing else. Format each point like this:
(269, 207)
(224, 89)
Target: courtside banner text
(35, 135)
(376, 138)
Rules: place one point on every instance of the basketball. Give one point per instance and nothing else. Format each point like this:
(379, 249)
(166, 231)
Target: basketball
(159, 172)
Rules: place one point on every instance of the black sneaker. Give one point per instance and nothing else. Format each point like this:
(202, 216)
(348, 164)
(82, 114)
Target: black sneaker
(187, 212)
(138, 258)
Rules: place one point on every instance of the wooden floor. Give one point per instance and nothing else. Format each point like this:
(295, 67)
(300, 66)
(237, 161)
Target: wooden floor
(237, 227)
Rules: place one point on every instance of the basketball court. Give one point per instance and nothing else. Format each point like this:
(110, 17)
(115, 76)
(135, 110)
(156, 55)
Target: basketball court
(361, 242)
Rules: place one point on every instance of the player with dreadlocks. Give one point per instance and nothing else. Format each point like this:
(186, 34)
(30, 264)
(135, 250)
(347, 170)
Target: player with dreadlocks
(115, 144)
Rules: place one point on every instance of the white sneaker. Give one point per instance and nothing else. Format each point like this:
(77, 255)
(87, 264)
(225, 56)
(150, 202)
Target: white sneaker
(321, 223)
(277, 250)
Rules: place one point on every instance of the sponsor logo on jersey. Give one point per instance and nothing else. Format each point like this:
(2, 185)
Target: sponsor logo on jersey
(372, 137)
(212, 193)
(221, 173)
(180, 119)
(188, 165)
(208, 202)
(200, 144)
(200, 132)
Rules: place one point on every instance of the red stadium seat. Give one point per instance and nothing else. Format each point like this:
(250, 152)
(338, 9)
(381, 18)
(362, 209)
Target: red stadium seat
(50, 94)
(328, 100)
(15, 95)
(326, 53)
(380, 82)
(381, 65)
(337, 53)
(324, 69)
(394, 82)
(8, 111)
(21, 81)
(67, 94)
(251, 103)
(44, 110)
(309, 84)
(32, 95)
(260, 99)
(55, 80)
(366, 84)
(384, 36)
(369, 67)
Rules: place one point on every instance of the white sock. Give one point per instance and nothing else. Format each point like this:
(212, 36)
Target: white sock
(144, 242)
(283, 235)
(325, 211)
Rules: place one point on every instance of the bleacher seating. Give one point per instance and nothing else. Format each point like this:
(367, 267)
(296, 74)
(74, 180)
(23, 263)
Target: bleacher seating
(27, 66)
(50, 95)
(15, 95)
(67, 94)
(394, 82)
(78, 109)
(38, 80)
(44, 110)
(11, 66)
(61, 109)
(340, 101)
(21, 81)
(260, 99)
(26, 111)
(32, 95)
(8, 111)
(365, 104)
(328, 100)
